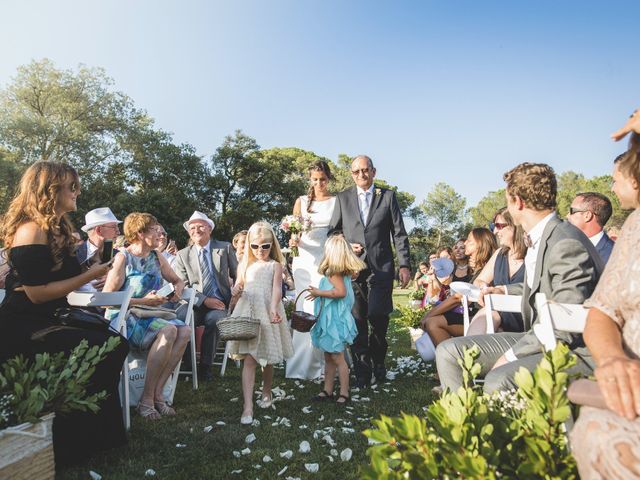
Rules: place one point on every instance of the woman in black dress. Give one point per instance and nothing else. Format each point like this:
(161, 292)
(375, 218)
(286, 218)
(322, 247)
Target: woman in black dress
(40, 249)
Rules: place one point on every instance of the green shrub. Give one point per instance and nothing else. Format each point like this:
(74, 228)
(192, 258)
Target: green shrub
(470, 434)
(49, 383)
(417, 294)
(410, 317)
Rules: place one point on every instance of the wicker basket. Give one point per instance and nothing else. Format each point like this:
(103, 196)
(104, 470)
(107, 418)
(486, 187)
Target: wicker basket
(26, 451)
(238, 328)
(302, 321)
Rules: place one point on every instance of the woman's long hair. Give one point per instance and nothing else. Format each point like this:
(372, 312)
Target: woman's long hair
(487, 244)
(519, 248)
(317, 166)
(38, 192)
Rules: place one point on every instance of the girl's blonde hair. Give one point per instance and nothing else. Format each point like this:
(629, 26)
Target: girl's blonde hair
(35, 201)
(339, 259)
(263, 230)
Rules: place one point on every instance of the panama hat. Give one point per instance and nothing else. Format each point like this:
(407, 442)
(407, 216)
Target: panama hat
(198, 216)
(97, 217)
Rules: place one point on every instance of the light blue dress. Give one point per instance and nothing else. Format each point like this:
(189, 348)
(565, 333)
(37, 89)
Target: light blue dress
(336, 327)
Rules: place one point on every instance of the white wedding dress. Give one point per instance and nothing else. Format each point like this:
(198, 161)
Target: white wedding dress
(308, 362)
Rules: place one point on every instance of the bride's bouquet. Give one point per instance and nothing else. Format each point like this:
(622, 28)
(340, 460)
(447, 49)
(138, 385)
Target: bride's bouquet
(295, 225)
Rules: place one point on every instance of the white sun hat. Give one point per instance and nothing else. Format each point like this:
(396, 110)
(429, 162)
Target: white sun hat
(198, 216)
(97, 217)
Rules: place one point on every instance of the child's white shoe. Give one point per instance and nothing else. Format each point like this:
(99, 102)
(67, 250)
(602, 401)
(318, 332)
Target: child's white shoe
(246, 420)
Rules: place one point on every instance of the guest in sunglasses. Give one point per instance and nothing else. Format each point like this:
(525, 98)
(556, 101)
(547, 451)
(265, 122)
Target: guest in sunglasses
(259, 287)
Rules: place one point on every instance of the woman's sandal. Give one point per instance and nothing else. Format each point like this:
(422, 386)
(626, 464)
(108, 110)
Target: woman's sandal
(322, 396)
(346, 400)
(164, 409)
(147, 412)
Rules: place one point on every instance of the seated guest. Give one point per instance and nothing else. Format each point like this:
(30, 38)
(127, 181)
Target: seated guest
(446, 319)
(462, 272)
(238, 241)
(605, 441)
(560, 262)
(420, 277)
(439, 279)
(590, 212)
(40, 249)
(167, 247)
(210, 267)
(140, 267)
(505, 267)
(100, 225)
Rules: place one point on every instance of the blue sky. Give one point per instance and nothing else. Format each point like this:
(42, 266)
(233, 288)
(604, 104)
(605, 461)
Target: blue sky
(453, 91)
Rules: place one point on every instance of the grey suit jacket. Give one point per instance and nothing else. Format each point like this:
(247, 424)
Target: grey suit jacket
(225, 265)
(567, 270)
(384, 222)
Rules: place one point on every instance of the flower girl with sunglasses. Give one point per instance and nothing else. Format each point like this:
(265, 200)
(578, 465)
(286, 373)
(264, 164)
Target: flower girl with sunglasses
(259, 286)
(335, 327)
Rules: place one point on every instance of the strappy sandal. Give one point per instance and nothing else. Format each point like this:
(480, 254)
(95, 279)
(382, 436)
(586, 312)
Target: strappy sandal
(322, 396)
(148, 412)
(164, 409)
(346, 400)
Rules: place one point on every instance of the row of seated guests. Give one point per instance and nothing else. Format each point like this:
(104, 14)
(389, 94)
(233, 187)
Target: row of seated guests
(563, 263)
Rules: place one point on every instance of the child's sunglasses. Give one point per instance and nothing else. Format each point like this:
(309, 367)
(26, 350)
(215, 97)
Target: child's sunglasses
(264, 246)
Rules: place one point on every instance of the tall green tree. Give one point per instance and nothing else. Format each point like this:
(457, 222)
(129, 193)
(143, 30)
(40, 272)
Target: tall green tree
(443, 213)
(483, 213)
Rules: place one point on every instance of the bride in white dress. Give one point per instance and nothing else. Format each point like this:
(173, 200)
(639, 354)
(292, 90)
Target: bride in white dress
(307, 361)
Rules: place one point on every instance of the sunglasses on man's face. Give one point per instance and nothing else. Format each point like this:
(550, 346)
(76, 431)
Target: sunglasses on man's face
(263, 246)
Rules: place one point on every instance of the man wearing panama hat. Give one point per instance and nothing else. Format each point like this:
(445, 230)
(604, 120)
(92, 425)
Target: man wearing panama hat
(100, 224)
(208, 265)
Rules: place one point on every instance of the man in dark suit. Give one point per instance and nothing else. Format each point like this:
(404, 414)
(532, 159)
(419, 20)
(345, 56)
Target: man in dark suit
(560, 262)
(208, 266)
(590, 212)
(368, 217)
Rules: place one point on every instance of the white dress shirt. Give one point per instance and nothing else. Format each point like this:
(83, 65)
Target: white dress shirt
(596, 238)
(362, 204)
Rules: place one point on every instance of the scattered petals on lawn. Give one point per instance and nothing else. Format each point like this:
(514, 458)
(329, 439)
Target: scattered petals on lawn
(250, 438)
(345, 455)
(266, 459)
(246, 451)
(220, 424)
(306, 409)
(283, 470)
(312, 467)
(236, 454)
(181, 445)
(207, 429)
(150, 473)
(236, 471)
(305, 447)
(95, 475)
(287, 454)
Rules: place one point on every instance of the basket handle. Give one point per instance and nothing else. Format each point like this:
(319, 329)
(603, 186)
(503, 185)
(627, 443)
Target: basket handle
(308, 290)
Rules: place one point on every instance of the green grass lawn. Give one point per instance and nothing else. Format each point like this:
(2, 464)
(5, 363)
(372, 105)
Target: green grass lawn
(180, 447)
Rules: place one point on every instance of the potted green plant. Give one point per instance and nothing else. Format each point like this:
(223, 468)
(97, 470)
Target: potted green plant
(32, 391)
(416, 297)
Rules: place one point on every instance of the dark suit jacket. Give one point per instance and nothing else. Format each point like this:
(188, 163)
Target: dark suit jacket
(567, 271)
(604, 247)
(225, 265)
(384, 222)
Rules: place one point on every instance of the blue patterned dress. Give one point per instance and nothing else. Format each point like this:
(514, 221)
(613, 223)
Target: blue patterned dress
(336, 327)
(143, 275)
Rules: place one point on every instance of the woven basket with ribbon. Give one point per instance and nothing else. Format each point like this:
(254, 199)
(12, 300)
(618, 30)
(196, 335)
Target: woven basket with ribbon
(302, 321)
(238, 328)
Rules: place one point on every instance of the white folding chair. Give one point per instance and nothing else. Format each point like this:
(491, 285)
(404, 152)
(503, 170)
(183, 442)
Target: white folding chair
(223, 352)
(111, 299)
(465, 314)
(500, 303)
(2, 294)
(188, 295)
(553, 316)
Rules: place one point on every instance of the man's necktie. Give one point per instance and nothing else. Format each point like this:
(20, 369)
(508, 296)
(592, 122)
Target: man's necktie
(365, 206)
(209, 285)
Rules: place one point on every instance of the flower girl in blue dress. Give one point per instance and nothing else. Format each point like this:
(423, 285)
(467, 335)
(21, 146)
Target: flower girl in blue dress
(335, 327)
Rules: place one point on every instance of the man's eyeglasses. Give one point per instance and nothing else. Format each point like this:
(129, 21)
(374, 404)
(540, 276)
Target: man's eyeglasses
(115, 227)
(500, 226)
(577, 210)
(263, 246)
(362, 171)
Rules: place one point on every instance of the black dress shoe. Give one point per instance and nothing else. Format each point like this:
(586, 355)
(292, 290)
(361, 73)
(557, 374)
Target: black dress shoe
(380, 372)
(362, 382)
(205, 372)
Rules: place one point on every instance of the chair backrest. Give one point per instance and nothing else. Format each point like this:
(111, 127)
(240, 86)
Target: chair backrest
(553, 316)
(189, 296)
(500, 303)
(2, 293)
(119, 299)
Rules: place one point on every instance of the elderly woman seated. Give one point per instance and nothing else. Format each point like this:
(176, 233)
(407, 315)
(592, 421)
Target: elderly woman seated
(141, 267)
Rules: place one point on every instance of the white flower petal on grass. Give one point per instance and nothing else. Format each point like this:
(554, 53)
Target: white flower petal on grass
(312, 467)
(348, 430)
(305, 447)
(207, 429)
(321, 418)
(181, 445)
(150, 472)
(266, 417)
(236, 471)
(371, 441)
(255, 423)
(345, 455)
(257, 467)
(283, 470)
(330, 441)
(95, 475)
(306, 409)
(287, 454)
(236, 454)
(234, 399)
(267, 459)
(220, 424)
(303, 427)
(245, 451)
(250, 438)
